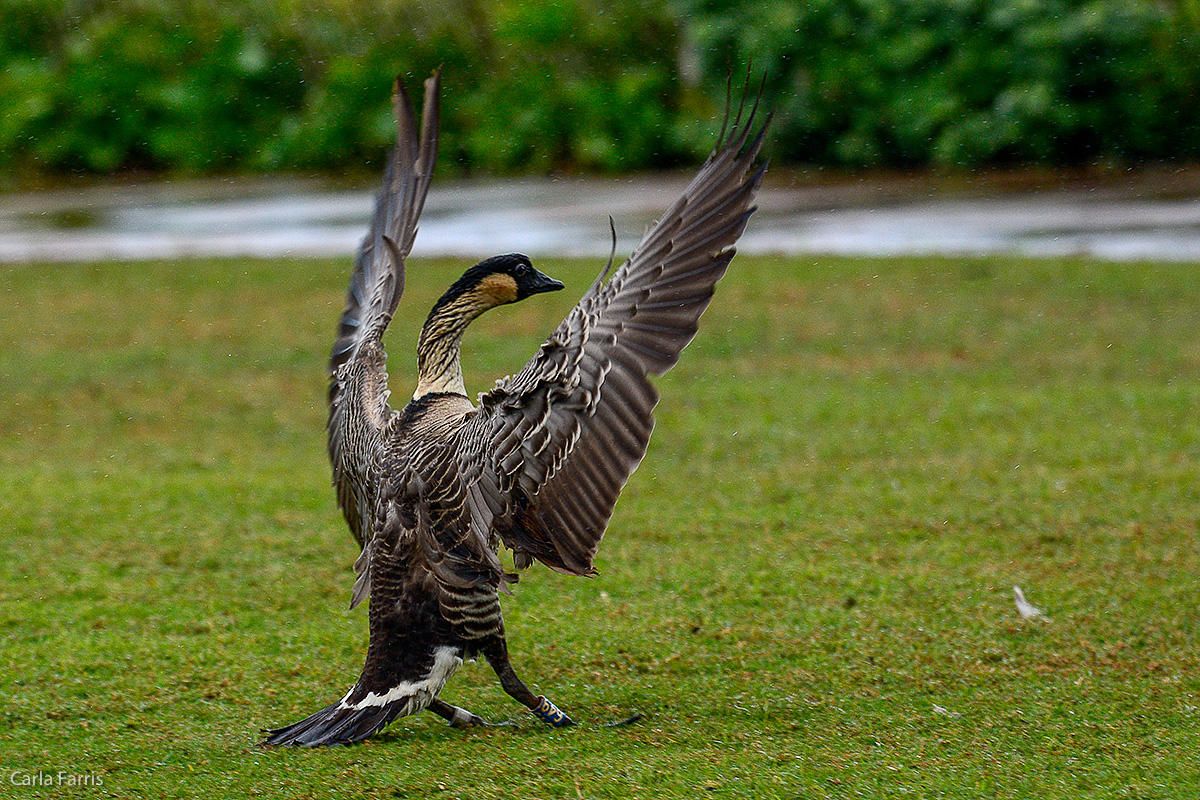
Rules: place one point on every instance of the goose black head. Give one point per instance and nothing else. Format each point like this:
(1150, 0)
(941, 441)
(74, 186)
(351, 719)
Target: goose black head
(496, 281)
(526, 280)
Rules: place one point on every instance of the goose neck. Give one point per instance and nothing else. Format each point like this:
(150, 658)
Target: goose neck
(439, 348)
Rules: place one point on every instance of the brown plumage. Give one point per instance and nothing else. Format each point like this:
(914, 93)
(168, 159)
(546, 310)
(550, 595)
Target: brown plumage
(431, 492)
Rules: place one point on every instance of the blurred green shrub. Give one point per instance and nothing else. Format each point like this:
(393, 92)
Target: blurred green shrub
(541, 85)
(141, 86)
(866, 82)
(217, 87)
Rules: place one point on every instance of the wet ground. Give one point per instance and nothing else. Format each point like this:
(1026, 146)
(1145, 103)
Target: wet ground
(1150, 214)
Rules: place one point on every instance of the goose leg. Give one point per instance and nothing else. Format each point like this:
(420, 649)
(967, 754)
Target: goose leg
(459, 717)
(543, 709)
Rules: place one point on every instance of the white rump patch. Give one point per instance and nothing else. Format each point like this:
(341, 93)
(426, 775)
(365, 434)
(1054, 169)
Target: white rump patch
(418, 693)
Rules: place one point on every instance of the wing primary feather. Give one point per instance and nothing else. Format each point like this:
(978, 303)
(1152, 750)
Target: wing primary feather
(398, 206)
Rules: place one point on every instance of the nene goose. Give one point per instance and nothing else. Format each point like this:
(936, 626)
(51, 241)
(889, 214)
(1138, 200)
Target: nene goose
(432, 491)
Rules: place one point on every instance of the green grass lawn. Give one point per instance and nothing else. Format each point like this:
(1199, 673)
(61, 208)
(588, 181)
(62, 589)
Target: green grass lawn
(807, 587)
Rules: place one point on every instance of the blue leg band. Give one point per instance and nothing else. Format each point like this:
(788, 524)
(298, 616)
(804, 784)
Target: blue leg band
(550, 713)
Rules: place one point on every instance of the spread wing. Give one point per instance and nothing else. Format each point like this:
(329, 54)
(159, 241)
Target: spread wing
(551, 447)
(375, 290)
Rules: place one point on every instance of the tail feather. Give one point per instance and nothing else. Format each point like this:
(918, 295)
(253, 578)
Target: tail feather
(335, 724)
(364, 711)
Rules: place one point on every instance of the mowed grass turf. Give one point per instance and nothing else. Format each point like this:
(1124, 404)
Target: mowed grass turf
(807, 587)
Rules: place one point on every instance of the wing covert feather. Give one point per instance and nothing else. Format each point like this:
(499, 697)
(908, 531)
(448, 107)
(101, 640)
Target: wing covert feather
(562, 436)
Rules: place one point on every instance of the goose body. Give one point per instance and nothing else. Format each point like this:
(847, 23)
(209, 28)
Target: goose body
(431, 492)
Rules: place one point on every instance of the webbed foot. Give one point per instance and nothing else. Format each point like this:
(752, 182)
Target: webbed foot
(461, 718)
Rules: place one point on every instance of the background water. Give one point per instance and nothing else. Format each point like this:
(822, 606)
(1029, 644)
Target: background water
(1142, 219)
